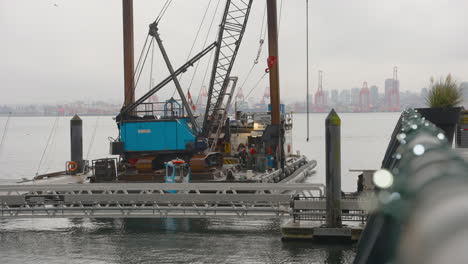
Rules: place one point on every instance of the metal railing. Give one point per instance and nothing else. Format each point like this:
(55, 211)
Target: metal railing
(422, 201)
(149, 200)
(308, 208)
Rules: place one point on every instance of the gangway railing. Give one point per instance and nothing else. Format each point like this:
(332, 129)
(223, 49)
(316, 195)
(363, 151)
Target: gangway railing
(111, 200)
(171, 200)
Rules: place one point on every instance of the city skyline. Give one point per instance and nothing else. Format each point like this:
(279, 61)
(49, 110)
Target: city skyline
(66, 56)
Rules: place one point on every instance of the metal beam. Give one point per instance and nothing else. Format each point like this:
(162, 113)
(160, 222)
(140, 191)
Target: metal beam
(155, 34)
(163, 83)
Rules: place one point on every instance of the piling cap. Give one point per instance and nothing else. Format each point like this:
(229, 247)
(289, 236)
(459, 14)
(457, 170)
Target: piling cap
(333, 119)
(76, 118)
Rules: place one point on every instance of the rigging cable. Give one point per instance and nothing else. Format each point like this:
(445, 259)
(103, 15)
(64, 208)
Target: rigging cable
(198, 33)
(143, 63)
(53, 148)
(307, 65)
(5, 131)
(92, 137)
(204, 44)
(204, 78)
(138, 64)
(256, 85)
(259, 52)
(264, 33)
(163, 10)
(151, 68)
(47, 144)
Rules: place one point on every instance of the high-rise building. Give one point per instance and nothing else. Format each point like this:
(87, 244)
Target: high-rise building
(334, 97)
(424, 92)
(423, 95)
(355, 96)
(326, 96)
(374, 95)
(345, 97)
(389, 86)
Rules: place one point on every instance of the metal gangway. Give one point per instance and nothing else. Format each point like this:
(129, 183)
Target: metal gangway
(165, 200)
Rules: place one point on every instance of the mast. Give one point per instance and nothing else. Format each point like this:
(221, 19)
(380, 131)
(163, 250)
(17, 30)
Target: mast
(127, 18)
(273, 62)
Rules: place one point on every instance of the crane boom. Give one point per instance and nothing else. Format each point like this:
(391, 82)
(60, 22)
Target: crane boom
(230, 35)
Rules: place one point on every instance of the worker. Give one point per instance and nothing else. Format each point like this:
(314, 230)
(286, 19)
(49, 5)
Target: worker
(252, 151)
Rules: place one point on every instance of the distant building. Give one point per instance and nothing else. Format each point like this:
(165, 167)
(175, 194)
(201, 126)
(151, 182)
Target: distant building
(374, 95)
(326, 96)
(424, 92)
(345, 97)
(389, 86)
(464, 90)
(423, 95)
(334, 97)
(355, 96)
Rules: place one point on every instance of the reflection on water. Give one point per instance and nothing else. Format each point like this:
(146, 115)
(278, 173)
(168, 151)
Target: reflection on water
(158, 241)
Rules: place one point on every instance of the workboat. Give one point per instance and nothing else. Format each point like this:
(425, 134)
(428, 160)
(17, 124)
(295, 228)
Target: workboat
(169, 142)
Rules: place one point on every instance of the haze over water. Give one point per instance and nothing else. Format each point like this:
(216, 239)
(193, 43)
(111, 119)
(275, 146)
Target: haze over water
(364, 140)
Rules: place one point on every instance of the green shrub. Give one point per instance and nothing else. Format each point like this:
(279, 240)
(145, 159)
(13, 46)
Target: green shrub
(444, 93)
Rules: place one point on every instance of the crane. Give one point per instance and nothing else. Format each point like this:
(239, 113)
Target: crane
(319, 95)
(230, 35)
(160, 135)
(364, 98)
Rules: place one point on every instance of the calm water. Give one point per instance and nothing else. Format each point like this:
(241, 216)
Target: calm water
(364, 139)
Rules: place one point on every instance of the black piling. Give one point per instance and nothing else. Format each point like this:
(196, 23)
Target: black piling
(333, 169)
(76, 142)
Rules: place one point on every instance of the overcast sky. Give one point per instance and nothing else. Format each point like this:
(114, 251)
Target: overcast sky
(51, 51)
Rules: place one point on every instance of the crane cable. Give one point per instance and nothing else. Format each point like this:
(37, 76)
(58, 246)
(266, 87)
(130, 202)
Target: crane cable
(52, 132)
(204, 78)
(91, 143)
(151, 68)
(307, 66)
(163, 11)
(143, 63)
(140, 64)
(259, 51)
(211, 56)
(255, 86)
(204, 44)
(263, 31)
(198, 33)
(5, 131)
(53, 147)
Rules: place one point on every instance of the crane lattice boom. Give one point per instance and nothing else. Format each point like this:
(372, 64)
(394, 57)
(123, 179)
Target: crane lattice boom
(230, 35)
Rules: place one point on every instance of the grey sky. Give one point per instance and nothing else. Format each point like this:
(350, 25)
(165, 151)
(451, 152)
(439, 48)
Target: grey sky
(74, 50)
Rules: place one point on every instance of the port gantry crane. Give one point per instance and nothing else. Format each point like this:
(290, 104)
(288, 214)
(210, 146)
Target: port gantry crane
(319, 95)
(171, 134)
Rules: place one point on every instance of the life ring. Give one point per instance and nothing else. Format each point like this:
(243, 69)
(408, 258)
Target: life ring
(72, 166)
(178, 161)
